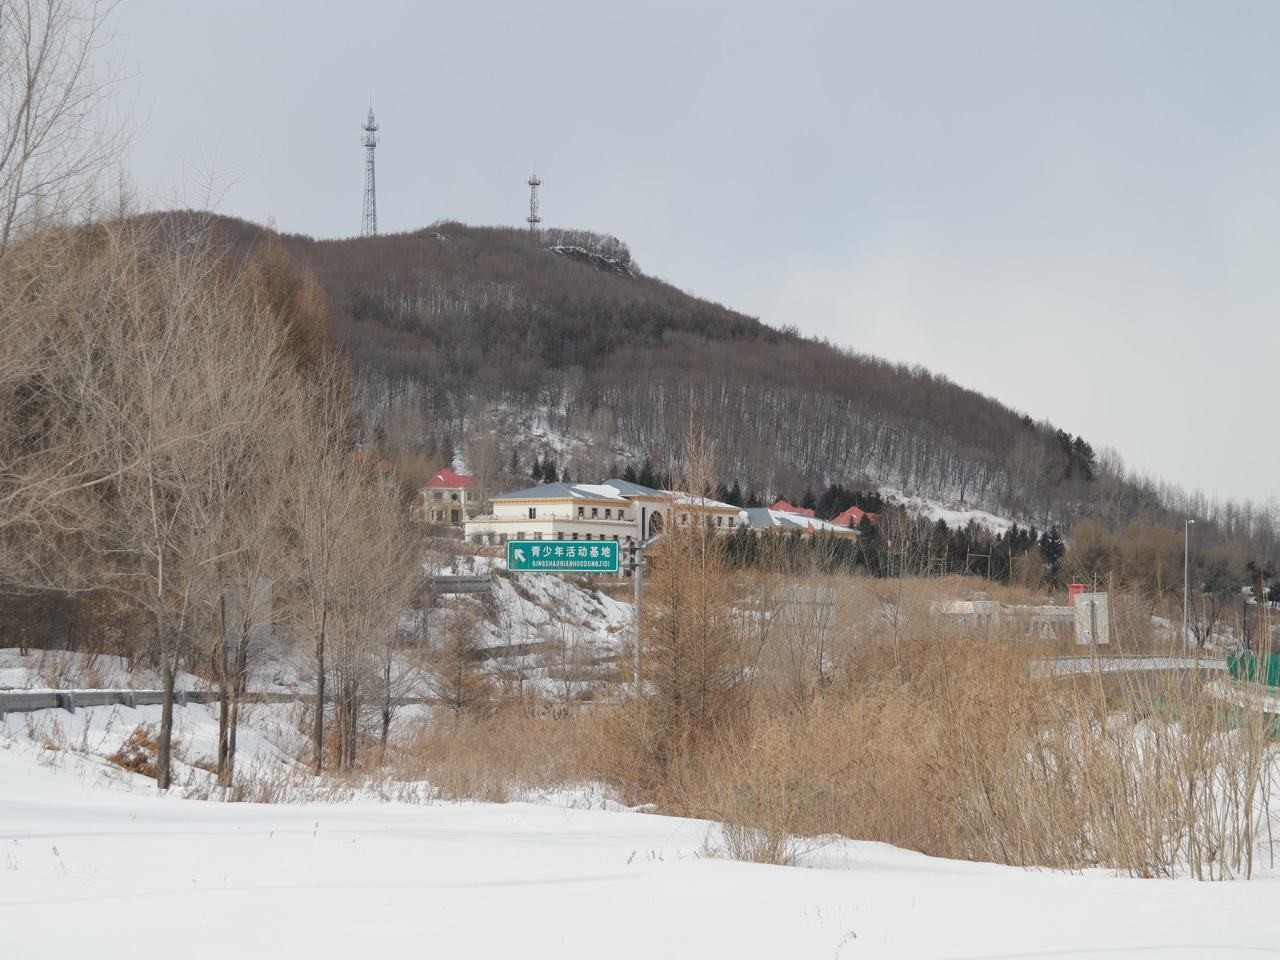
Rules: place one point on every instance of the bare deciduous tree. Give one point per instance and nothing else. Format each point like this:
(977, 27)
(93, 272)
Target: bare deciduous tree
(59, 134)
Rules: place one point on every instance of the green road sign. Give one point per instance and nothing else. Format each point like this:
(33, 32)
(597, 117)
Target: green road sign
(563, 556)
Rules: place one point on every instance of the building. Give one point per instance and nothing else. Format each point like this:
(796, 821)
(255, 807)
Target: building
(613, 510)
(448, 497)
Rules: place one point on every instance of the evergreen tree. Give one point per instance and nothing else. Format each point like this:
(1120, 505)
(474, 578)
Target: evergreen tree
(549, 474)
(735, 495)
(535, 473)
(564, 476)
(1052, 550)
(629, 474)
(647, 479)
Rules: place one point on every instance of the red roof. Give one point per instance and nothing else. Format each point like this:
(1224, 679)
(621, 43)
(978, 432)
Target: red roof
(785, 507)
(852, 517)
(446, 479)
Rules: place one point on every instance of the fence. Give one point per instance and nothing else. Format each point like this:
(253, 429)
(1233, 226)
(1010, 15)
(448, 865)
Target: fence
(25, 701)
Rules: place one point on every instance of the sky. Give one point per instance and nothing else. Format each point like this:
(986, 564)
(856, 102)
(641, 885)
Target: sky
(1073, 207)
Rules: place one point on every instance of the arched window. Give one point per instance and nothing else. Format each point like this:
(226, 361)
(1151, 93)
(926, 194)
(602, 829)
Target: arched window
(655, 524)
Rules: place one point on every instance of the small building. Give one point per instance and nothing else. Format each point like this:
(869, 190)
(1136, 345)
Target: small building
(447, 497)
(614, 510)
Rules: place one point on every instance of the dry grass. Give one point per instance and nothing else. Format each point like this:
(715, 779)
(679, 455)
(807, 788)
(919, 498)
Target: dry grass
(525, 745)
(949, 747)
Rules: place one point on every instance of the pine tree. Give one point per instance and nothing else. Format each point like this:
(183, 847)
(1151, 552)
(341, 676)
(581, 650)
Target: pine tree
(629, 474)
(549, 474)
(535, 473)
(647, 479)
(1052, 550)
(735, 495)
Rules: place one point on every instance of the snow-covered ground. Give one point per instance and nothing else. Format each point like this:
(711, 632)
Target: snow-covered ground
(91, 870)
(66, 670)
(956, 515)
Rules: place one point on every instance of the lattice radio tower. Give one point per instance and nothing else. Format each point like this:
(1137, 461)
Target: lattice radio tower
(533, 219)
(369, 223)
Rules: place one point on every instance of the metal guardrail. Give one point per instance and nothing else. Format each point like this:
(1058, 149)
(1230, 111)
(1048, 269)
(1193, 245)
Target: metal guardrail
(460, 584)
(26, 701)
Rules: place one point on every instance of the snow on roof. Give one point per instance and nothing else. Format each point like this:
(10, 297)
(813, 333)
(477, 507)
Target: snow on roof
(562, 491)
(629, 489)
(448, 480)
(783, 507)
(685, 500)
(768, 518)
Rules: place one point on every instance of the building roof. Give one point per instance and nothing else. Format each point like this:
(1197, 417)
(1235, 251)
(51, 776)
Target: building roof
(784, 507)
(446, 479)
(563, 491)
(852, 517)
(767, 518)
(627, 488)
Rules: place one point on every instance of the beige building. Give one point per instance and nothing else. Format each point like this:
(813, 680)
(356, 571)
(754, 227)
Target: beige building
(613, 510)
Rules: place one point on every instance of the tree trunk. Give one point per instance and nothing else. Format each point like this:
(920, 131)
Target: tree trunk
(317, 726)
(165, 740)
(239, 683)
(224, 718)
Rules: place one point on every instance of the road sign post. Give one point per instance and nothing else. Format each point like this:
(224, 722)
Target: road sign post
(562, 556)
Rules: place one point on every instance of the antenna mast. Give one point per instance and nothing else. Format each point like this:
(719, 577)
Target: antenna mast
(369, 223)
(533, 219)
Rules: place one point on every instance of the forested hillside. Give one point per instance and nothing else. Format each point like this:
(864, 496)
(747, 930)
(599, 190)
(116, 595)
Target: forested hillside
(467, 336)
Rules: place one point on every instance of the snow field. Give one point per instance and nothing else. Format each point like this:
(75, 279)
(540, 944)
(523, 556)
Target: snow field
(89, 870)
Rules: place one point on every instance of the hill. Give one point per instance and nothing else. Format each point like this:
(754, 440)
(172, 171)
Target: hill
(561, 343)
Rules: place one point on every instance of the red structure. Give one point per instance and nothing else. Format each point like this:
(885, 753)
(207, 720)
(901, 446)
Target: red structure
(853, 517)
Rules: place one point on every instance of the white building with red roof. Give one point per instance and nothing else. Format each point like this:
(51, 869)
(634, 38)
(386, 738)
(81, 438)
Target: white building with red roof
(448, 497)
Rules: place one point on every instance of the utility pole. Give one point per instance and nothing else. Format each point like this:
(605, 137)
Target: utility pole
(1186, 580)
(636, 566)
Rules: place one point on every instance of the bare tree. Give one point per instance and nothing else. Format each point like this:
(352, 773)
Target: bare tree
(59, 135)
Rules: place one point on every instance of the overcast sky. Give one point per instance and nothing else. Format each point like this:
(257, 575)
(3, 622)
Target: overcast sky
(1073, 207)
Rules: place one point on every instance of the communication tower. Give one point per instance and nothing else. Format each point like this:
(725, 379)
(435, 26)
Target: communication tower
(369, 223)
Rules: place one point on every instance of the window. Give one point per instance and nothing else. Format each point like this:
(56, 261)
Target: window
(560, 535)
(608, 513)
(538, 535)
(622, 515)
(684, 518)
(731, 521)
(575, 536)
(595, 513)
(437, 494)
(580, 513)
(719, 521)
(533, 513)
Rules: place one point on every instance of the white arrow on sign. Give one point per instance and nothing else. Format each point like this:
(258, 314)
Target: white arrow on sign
(519, 555)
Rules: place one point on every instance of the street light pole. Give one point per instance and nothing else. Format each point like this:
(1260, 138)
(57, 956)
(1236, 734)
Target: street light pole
(1186, 568)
